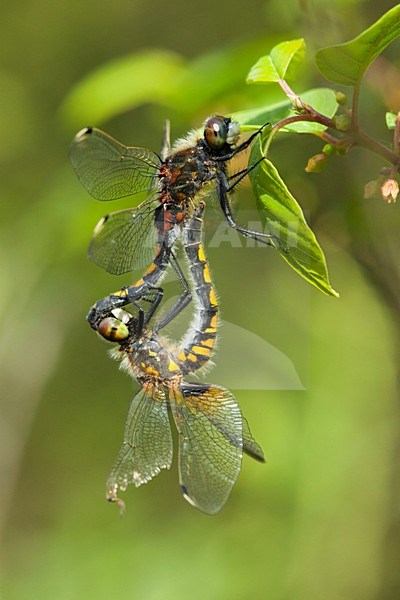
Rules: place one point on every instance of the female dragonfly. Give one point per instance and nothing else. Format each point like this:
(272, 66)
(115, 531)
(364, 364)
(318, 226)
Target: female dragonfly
(213, 434)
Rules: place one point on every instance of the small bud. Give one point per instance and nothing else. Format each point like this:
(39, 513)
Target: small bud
(342, 122)
(341, 98)
(390, 190)
(328, 149)
(343, 150)
(385, 170)
(298, 104)
(316, 163)
(372, 189)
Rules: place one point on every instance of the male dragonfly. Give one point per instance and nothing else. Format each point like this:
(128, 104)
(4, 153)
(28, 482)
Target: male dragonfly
(213, 434)
(129, 239)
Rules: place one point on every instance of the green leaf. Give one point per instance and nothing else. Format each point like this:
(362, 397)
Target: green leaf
(120, 85)
(391, 120)
(282, 215)
(346, 63)
(322, 99)
(280, 64)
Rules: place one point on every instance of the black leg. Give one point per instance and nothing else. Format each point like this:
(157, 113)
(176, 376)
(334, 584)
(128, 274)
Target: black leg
(153, 297)
(103, 308)
(241, 174)
(147, 291)
(184, 299)
(136, 324)
(265, 238)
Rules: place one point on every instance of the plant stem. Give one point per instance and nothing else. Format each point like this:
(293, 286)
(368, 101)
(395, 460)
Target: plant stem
(288, 90)
(366, 141)
(354, 109)
(355, 138)
(314, 118)
(396, 135)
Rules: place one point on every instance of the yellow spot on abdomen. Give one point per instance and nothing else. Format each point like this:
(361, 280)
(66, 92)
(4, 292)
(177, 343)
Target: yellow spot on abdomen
(210, 330)
(213, 298)
(206, 274)
(213, 324)
(151, 268)
(201, 351)
(201, 254)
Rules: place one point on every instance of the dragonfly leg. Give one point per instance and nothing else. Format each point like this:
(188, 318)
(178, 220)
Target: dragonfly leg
(145, 289)
(138, 324)
(241, 174)
(184, 299)
(153, 296)
(223, 188)
(130, 295)
(103, 308)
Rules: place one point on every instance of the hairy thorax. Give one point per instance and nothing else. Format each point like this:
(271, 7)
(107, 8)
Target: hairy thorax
(146, 358)
(185, 173)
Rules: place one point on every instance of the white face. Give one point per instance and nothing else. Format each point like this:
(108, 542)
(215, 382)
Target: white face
(233, 133)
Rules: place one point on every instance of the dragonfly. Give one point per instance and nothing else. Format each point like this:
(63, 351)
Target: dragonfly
(176, 180)
(212, 432)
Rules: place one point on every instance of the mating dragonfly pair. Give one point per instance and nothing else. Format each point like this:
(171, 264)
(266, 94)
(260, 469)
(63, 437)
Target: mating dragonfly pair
(213, 434)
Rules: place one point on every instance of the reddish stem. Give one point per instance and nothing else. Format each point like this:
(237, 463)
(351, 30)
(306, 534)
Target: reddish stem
(355, 137)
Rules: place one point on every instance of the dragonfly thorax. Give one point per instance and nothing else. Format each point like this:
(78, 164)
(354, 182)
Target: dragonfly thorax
(146, 357)
(186, 172)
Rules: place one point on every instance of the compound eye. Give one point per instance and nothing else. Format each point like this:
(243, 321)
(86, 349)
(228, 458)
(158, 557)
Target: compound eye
(215, 132)
(113, 329)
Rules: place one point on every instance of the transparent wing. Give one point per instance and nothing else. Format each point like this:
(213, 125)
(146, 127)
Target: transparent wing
(147, 446)
(250, 445)
(108, 169)
(125, 240)
(209, 423)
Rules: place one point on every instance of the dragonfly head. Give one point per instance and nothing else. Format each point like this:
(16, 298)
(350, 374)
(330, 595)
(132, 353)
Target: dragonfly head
(219, 131)
(113, 329)
(120, 326)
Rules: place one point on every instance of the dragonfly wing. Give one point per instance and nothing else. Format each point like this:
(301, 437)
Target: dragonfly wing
(147, 445)
(108, 169)
(125, 240)
(209, 422)
(250, 446)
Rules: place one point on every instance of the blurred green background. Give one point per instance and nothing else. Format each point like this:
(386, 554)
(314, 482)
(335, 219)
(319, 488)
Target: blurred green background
(321, 518)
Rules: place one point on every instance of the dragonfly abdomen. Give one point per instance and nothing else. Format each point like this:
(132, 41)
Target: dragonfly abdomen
(199, 342)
